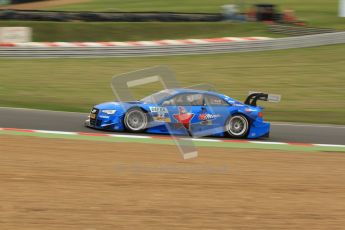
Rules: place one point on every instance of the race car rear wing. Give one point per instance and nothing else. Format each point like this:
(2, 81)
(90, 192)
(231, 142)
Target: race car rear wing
(255, 96)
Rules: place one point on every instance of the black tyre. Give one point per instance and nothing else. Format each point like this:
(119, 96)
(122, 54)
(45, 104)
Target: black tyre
(237, 126)
(136, 120)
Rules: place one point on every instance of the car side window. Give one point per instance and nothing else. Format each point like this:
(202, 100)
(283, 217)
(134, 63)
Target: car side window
(212, 100)
(185, 99)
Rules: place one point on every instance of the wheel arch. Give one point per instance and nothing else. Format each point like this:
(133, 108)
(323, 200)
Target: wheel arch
(138, 107)
(250, 121)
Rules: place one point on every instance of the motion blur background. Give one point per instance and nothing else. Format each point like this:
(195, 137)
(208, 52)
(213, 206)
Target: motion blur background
(311, 80)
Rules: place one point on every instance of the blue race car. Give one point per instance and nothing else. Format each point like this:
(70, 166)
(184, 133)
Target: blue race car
(185, 111)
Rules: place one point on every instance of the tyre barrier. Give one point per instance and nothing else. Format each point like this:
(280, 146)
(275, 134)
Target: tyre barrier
(65, 16)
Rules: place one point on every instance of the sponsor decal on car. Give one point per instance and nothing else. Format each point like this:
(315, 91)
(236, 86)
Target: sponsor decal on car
(184, 117)
(207, 116)
(160, 114)
(161, 118)
(158, 110)
(207, 122)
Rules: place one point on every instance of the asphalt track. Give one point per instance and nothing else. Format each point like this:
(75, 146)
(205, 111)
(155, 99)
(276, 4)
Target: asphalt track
(73, 122)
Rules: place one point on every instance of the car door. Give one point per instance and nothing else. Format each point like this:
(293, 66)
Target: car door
(212, 116)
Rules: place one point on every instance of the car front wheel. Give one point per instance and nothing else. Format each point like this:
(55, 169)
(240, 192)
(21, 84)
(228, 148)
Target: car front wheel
(136, 120)
(237, 126)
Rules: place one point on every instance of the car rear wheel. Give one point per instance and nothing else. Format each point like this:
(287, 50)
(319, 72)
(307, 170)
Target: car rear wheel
(237, 126)
(136, 120)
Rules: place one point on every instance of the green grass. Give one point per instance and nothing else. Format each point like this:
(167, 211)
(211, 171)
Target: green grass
(89, 31)
(312, 81)
(317, 12)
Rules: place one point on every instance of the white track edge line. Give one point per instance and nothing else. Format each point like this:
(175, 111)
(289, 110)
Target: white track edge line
(55, 132)
(329, 145)
(268, 143)
(130, 136)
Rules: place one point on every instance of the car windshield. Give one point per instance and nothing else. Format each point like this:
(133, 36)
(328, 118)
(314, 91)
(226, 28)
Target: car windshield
(157, 97)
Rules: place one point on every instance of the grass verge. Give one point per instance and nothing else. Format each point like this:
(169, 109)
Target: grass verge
(311, 80)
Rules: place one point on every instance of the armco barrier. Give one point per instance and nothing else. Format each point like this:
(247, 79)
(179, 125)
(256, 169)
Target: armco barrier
(155, 50)
(298, 30)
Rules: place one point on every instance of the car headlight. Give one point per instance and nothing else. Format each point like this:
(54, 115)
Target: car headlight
(109, 111)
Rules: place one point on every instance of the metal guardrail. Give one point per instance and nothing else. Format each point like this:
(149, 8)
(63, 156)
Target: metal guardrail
(248, 46)
(298, 30)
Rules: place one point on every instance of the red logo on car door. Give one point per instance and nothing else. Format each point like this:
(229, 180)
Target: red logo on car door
(184, 117)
